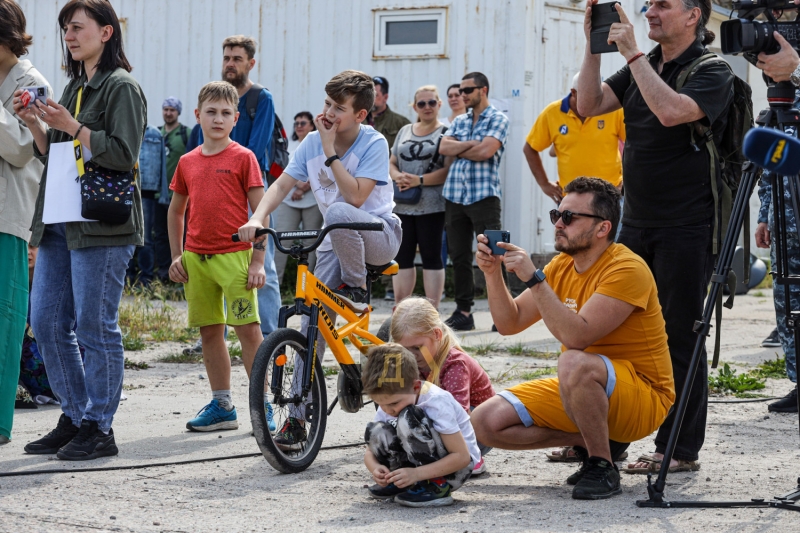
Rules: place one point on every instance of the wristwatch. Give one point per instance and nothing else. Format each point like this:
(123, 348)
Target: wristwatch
(538, 277)
(795, 76)
(420, 180)
(330, 160)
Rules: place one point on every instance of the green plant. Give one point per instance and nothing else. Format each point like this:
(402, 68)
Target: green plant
(506, 375)
(769, 368)
(330, 370)
(483, 348)
(727, 380)
(182, 358)
(539, 373)
(135, 365)
(132, 341)
(235, 350)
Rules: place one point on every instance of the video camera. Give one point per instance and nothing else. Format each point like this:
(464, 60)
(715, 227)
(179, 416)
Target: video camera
(750, 37)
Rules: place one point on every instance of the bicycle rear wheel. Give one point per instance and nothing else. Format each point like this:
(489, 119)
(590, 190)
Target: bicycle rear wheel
(272, 380)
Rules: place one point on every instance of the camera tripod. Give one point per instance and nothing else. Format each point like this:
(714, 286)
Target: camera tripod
(780, 115)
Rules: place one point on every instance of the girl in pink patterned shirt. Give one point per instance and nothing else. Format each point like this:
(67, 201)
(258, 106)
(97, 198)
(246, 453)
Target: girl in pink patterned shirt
(417, 326)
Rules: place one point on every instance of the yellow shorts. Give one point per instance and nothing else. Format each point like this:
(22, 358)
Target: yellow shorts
(216, 282)
(635, 408)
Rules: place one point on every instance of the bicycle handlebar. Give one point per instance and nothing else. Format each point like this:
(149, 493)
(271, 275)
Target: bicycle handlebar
(320, 234)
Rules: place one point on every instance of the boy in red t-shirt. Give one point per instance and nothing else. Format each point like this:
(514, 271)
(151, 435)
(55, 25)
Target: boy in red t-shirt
(221, 277)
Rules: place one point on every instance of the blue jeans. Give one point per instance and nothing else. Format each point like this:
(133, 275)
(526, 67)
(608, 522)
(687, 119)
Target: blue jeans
(269, 296)
(80, 287)
(144, 257)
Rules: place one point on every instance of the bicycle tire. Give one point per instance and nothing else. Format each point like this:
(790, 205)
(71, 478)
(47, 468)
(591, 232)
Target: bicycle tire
(276, 343)
(384, 333)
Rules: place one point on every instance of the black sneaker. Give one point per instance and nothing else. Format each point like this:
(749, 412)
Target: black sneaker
(583, 456)
(599, 481)
(53, 441)
(89, 443)
(291, 436)
(773, 341)
(385, 493)
(426, 494)
(354, 294)
(617, 451)
(460, 322)
(787, 404)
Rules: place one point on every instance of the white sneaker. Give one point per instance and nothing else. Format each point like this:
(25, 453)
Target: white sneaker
(479, 468)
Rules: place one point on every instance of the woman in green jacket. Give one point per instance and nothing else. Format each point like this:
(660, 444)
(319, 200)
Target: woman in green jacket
(80, 271)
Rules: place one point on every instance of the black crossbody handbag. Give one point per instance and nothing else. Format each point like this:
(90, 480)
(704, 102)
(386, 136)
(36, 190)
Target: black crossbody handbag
(412, 196)
(106, 194)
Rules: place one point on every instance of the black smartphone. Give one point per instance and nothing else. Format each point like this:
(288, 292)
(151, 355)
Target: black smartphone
(603, 16)
(495, 236)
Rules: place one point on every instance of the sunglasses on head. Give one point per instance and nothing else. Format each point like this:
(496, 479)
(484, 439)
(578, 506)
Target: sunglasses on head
(422, 103)
(469, 90)
(301, 123)
(567, 216)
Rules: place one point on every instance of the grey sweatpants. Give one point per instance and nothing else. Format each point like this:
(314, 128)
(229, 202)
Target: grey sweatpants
(412, 442)
(345, 263)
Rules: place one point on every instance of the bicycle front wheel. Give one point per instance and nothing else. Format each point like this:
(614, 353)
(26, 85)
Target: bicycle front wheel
(275, 385)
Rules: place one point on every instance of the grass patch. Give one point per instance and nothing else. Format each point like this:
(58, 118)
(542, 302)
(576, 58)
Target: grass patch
(539, 373)
(142, 321)
(483, 348)
(182, 358)
(506, 375)
(135, 365)
(770, 368)
(235, 350)
(330, 370)
(728, 381)
(520, 349)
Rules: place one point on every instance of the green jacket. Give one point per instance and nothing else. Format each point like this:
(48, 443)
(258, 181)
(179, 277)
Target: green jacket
(114, 108)
(388, 124)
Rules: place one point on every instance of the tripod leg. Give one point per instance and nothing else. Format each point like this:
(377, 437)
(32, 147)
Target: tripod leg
(702, 326)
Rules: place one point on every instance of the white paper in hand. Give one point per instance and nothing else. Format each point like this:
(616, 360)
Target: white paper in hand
(62, 194)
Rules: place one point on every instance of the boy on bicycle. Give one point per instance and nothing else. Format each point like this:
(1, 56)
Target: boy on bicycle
(347, 165)
(220, 277)
(420, 446)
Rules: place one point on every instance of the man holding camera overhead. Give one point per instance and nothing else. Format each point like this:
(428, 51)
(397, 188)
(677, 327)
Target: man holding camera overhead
(668, 217)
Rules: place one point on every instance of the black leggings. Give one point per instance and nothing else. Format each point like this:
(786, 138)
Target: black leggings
(425, 231)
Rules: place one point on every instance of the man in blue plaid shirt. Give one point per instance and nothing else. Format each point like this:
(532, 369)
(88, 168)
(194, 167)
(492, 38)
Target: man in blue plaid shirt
(472, 190)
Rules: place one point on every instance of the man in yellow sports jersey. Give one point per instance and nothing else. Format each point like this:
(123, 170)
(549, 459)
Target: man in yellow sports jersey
(584, 146)
(614, 373)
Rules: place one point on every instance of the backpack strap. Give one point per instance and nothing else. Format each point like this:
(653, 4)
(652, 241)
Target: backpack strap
(184, 136)
(251, 100)
(701, 134)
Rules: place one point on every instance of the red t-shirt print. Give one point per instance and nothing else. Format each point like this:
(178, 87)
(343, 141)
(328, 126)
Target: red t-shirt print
(217, 187)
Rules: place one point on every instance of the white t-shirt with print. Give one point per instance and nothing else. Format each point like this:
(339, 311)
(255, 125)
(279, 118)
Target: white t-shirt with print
(445, 413)
(367, 158)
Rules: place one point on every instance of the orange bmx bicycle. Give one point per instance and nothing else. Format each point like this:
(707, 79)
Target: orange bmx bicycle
(287, 377)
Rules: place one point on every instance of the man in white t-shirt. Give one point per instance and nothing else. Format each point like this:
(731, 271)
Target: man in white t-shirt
(347, 165)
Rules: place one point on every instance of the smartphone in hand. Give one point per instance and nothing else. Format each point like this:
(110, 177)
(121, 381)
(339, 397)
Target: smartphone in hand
(31, 94)
(603, 16)
(497, 235)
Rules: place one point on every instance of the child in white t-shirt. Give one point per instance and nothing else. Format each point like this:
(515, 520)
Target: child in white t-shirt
(420, 446)
(347, 165)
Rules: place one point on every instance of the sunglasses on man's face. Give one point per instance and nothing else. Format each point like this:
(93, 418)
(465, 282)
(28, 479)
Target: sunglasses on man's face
(469, 90)
(567, 216)
(422, 103)
(301, 123)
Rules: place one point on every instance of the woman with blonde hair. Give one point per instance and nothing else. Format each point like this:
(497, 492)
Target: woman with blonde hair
(417, 326)
(415, 162)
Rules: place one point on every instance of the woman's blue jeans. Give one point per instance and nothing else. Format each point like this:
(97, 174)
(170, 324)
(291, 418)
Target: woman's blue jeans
(76, 296)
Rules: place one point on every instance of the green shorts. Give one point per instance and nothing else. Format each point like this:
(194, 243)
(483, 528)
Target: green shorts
(215, 281)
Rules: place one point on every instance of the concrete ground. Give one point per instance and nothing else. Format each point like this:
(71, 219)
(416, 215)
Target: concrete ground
(748, 454)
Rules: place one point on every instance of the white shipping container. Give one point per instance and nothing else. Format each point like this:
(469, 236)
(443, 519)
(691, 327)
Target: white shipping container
(530, 50)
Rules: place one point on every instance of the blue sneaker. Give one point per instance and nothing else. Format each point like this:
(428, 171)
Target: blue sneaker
(273, 427)
(212, 417)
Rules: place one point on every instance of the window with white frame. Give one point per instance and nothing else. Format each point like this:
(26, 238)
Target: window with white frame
(404, 33)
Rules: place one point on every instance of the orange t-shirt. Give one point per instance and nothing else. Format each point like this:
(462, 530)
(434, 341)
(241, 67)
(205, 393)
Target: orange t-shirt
(642, 338)
(217, 187)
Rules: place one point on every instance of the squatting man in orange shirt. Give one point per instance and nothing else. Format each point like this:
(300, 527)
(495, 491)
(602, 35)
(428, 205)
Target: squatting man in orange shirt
(599, 300)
